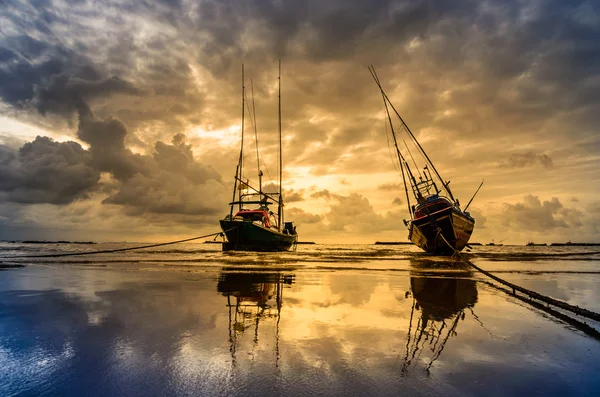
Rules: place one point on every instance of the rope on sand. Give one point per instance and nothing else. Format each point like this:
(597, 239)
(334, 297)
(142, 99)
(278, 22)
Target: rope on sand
(113, 250)
(532, 294)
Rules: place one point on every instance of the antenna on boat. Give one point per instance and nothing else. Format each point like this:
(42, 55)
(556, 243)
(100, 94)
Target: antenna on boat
(475, 194)
(280, 209)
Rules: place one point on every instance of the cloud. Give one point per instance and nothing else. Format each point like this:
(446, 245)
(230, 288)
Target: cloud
(529, 159)
(397, 201)
(65, 93)
(480, 219)
(301, 217)
(391, 187)
(170, 181)
(107, 145)
(292, 195)
(594, 207)
(45, 171)
(28, 63)
(355, 214)
(481, 84)
(323, 194)
(534, 215)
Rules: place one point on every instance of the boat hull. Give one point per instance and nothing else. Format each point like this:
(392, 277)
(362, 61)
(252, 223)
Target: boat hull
(248, 236)
(443, 232)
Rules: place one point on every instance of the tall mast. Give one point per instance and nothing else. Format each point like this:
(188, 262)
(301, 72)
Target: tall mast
(260, 174)
(280, 210)
(238, 168)
(241, 174)
(401, 159)
(446, 187)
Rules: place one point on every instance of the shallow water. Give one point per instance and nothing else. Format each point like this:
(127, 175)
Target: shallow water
(325, 320)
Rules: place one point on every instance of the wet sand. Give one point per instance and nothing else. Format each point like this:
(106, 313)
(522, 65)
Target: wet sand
(331, 321)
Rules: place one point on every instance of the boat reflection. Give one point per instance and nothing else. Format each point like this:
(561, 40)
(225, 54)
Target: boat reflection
(440, 295)
(252, 296)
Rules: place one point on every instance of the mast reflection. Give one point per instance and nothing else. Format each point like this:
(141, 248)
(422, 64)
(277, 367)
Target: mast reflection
(440, 297)
(252, 295)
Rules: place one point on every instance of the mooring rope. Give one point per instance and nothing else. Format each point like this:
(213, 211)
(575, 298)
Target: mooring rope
(580, 325)
(113, 250)
(535, 295)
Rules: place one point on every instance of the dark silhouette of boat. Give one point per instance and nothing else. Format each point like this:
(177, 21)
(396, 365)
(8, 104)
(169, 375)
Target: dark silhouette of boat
(254, 226)
(437, 223)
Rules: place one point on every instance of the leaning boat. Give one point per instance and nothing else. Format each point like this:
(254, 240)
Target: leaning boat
(437, 223)
(254, 226)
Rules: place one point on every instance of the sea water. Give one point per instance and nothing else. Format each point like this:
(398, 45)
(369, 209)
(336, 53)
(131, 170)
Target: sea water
(327, 320)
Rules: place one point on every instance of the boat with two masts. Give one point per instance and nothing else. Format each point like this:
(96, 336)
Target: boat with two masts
(437, 223)
(251, 224)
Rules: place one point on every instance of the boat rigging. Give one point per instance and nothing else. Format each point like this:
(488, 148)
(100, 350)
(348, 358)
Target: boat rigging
(435, 216)
(255, 227)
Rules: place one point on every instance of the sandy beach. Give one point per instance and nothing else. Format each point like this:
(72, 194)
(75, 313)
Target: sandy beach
(326, 320)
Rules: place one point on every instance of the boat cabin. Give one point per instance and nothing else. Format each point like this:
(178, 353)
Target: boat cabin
(432, 204)
(259, 216)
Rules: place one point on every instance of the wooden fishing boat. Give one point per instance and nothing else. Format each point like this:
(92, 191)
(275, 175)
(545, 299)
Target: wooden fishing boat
(437, 223)
(254, 226)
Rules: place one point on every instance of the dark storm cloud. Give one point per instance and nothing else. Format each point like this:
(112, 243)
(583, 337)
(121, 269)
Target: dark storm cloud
(172, 183)
(44, 171)
(529, 159)
(65, 94)
(534, 215)
(169, 181)
(26, 63)
(107, 145)
(519, 61)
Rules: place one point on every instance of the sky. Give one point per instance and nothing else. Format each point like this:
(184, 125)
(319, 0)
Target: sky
(120, 121)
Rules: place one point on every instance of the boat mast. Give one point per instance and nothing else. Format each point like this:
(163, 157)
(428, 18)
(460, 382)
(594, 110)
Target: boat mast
(446, 187)
(401, 159)
(280, 209)
(260, 174)
(238, 168)
(241, 161)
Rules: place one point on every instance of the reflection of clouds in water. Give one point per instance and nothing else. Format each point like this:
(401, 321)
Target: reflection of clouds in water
(352, 290)
(164, 335)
